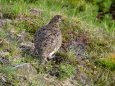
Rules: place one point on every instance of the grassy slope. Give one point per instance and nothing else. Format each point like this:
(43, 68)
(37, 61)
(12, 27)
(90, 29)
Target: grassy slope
(80, 19)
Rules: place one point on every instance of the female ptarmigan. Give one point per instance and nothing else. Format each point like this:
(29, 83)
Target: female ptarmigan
(48, 39)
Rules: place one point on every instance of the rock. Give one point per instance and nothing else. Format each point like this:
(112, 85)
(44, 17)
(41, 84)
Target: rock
(4, 81)
(83, 79)
(26, 70)
(27, 47)
(78, 44)
(35, 12)
(1, 22)
(4, 53)
(1, 15)
(70, 82)
(4, 21)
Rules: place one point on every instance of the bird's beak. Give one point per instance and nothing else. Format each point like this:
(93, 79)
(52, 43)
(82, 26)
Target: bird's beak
(62, 20)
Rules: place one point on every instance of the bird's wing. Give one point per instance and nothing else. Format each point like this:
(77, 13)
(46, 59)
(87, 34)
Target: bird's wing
(45, 39)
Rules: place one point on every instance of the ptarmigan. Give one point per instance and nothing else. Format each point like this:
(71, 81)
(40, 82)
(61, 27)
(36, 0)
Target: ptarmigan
(48, 39)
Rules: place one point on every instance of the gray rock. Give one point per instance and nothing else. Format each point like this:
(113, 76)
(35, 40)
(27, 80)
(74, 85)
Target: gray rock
(35, 12)
(1, 23)
(1, 15)
(4, 53)
(27, 48)
(4, 21)
(26, 70)
(79, 46)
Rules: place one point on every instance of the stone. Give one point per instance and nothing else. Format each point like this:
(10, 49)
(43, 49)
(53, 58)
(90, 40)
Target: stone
(26, 70)
(1, 15)
(35, 12)
(1, 22)
(27, 48)
(4, 53)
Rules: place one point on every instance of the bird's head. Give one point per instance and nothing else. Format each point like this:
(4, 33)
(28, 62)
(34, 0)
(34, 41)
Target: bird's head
(56, 19)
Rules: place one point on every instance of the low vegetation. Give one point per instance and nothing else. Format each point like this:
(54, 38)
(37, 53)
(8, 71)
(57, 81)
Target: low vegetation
(18, 23)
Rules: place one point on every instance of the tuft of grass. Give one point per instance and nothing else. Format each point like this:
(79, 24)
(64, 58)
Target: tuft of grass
(29, 26)
(108, 24)
(68, 8)
(66, 71)
(81, 18)
(111, 56)
(104, 77)
(106, 62)
(7, 70)
(68, 57)
(14, 9)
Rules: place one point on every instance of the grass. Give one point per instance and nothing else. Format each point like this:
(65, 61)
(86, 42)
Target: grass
(66, 70)
(14, 9)
(108, 62)
(63, 8)
(80, 18)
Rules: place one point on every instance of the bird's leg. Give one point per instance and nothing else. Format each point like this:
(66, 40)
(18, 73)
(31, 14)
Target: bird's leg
(50, 57)
(43, 60)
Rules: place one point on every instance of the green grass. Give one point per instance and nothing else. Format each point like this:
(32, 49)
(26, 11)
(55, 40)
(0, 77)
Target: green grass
(68, 57)
(68, 8)
(106, 62)
(15, 9)
(80, 18)
(66, 71)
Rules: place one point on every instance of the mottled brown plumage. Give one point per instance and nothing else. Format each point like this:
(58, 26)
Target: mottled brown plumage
(48, 39)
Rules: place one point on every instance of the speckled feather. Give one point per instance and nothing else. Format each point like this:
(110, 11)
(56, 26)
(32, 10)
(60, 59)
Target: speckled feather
(48, 40)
